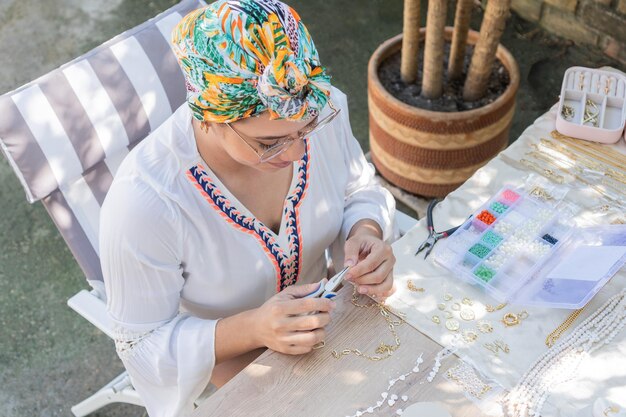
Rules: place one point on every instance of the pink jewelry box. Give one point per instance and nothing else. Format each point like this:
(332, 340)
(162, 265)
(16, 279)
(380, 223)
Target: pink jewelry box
(592, 105)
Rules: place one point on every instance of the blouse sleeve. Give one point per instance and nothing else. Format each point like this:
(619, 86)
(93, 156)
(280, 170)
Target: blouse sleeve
(365, 198)
(168, 355)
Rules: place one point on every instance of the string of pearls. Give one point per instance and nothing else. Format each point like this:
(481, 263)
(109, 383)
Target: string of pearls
(560, 363)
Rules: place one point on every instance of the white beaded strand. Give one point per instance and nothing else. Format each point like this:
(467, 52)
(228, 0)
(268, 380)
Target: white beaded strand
(560, 363)
(391, 399)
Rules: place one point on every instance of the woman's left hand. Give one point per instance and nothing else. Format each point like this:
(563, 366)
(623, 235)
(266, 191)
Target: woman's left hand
(371, 260)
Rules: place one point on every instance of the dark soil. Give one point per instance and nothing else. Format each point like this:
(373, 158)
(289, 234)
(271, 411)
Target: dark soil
(452, 98)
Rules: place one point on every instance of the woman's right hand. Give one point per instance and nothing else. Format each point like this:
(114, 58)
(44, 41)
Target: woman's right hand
(291, 324)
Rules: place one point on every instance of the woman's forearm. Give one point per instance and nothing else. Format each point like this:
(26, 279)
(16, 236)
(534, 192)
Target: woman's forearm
(366, 226)
(235, 335)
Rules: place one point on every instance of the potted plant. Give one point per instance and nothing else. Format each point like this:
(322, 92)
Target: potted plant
(433, 125)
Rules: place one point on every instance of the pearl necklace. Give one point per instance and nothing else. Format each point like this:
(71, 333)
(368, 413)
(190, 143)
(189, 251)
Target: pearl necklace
(560, 363)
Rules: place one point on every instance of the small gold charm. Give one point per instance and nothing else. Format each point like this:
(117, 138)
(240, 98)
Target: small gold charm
(456, 306)
(501, 345)
(497, 346)
(484, 326)
(467, 314)
(447, 296)
(319, 345)
(470, 336)
(512, 319)
(541, 193)
(436, 319)
(411, 286)
(441, 306)
(448, 314)
(491, 309)
(453, 325)
(467, 301)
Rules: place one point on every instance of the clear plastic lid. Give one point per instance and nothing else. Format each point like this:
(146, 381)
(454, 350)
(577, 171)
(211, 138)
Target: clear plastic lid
(583, 265)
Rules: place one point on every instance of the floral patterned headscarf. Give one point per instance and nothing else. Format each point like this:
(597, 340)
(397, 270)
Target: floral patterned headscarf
(243, 57)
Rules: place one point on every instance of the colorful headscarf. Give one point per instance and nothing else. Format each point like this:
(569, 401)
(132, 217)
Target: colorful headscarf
(242, 57)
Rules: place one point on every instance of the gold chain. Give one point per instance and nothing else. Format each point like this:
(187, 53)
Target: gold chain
(546, 172)
(384, 350)
(588, 161)
(555, 176)
(577, 173)
(556, 333)
(597, 151)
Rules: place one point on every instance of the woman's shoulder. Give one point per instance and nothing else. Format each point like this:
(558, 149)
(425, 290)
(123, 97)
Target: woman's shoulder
(160, 157)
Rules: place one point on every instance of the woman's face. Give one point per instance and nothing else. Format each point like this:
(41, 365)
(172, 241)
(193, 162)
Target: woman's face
(261, 133)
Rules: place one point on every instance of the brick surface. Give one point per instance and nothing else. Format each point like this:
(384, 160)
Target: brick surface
(565, 24)
(605, 20)
(614, 49)
(528, 9)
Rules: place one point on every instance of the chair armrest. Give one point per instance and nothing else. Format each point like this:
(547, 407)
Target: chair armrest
(93, 308)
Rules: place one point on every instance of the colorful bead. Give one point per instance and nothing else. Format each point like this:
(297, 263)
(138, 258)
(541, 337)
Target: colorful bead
(479, 250)
(550, 239)
(484, 273)
(499, 207)
(510, 196)
(491, 238)
(486, 217)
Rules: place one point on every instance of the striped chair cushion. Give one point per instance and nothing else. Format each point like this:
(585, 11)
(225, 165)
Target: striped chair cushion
(66, 133)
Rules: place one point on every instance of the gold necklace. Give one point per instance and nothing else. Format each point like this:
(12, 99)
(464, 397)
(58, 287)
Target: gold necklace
(383, 350)
(556, 333)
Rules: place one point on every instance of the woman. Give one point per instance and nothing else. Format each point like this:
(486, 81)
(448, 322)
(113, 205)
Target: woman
(214, 220)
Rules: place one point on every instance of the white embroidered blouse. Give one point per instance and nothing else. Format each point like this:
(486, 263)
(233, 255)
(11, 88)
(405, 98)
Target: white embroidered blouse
(179, 251)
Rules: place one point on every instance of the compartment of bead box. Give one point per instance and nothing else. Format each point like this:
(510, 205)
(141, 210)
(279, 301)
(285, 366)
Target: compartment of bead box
(503, 244)
(550, 289)
(592, 105)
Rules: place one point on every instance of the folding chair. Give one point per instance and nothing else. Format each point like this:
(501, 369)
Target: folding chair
(66, 133)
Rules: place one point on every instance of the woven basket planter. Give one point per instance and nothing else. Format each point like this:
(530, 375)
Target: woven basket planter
(432, 153)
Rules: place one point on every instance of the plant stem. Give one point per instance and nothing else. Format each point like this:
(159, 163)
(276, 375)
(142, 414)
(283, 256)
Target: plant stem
(410, 41)
(432, 84)
(459, 38)
(485, 51)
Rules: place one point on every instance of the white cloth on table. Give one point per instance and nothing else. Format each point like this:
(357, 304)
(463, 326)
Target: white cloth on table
(601, 375)
(179, 251)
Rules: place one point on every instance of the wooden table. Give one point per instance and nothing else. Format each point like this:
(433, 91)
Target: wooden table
(317, 384)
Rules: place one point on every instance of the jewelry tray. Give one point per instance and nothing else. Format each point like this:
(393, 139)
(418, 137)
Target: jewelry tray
(606, 90)
(512, 257)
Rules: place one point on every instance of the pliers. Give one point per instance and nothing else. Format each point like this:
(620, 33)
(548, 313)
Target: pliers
(433, 235)
(328, 290)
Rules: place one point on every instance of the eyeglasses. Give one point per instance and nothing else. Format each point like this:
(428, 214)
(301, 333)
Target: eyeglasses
(284, 143)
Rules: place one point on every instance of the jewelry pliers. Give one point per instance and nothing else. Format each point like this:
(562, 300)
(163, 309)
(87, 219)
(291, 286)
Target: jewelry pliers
(433, 235)
(328, 290)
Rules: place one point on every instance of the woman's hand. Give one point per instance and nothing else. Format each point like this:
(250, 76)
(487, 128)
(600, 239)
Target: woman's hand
(371, 260)
(288, 323)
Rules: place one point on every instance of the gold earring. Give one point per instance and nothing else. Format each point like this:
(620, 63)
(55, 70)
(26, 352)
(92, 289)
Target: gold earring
(204, 125)
(411, 286)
